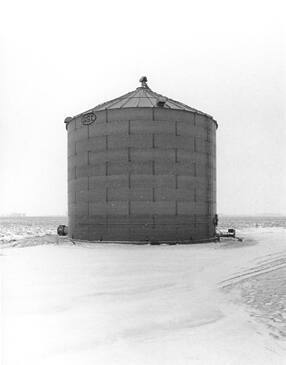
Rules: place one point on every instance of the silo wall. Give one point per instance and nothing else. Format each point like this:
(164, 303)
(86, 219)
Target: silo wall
(140, 174)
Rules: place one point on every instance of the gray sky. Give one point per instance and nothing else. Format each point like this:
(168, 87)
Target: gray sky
(59, 58)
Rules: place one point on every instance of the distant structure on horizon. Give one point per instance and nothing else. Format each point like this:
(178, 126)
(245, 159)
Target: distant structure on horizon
(142, 167)
(16, 215)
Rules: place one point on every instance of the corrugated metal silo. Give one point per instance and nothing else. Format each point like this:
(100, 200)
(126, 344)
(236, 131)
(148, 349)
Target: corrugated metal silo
(142, 167)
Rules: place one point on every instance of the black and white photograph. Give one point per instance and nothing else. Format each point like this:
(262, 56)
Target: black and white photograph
(143, 182)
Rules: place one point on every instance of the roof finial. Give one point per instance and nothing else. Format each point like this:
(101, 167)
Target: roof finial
(143, 81)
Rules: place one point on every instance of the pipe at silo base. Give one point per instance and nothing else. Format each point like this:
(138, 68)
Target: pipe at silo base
(62, 230)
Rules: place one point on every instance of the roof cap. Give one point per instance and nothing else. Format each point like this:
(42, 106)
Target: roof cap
(143, 81)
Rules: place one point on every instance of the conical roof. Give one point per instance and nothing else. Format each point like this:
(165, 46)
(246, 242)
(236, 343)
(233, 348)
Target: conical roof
(144, 97)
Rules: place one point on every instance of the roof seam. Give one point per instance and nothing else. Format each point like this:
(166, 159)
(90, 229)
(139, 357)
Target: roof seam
(126, 101)
(113, 101)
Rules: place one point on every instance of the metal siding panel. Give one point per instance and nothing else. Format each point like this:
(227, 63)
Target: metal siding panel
(107, 129)
(149, 207)
(170, 141)
(138, 181)
(106, 156)
(92, 144)
(79, 184)
(71, 148)
(78, 160)
(115, 181)
(121, 194)
(152, 154)
(87, 171)
(109, 208)
(137, 141)
(152, 126)
(186, 208)
(91, 196)
(78, 134)
(166, 194)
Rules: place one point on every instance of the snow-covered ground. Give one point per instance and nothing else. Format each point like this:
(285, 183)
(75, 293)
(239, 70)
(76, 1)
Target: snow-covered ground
(217, 303)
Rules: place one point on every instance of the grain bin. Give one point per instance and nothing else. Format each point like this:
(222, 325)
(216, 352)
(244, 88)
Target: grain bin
(142, 167)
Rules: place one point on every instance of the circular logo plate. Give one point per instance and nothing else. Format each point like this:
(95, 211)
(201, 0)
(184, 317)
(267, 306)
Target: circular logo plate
(88, 118)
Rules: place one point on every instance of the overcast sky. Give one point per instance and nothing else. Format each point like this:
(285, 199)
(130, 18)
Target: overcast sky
(59, 58)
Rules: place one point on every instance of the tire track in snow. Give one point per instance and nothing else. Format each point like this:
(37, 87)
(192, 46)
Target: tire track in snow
(267, 266)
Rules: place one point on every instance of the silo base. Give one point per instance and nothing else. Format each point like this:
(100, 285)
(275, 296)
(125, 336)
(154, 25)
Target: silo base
(185, 242)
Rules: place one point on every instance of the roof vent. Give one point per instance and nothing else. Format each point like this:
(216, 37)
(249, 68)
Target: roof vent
(161, 101)
(143, 81)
